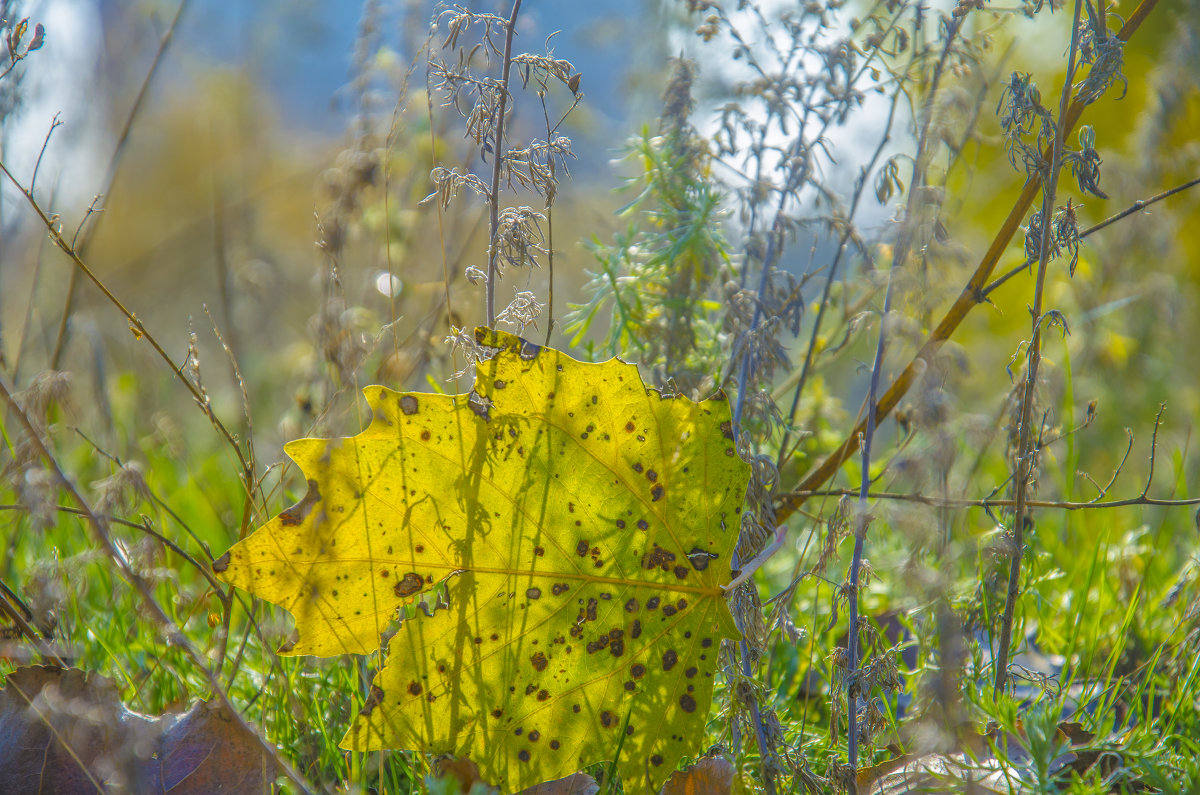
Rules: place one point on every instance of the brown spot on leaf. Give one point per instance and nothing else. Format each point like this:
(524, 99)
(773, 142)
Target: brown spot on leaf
(699, 558)
(669, 659)
(481, 405)
(681, 572)
(409, 405)
(657, 492)
(651, 475)
(499, 384)
(631, 606)
(617, 648)
(296, 514)
(658, 558)
(656, 760)
(414, 689)
(581, 549)
(642, 524)
(591, 609)
(689, 673)
(637, 467)
(630, 427)
(543, 695)
(637, 670)
(652, 603)
(607, 719)
(530, 689)
(559, 588)
(668, 610)
(374, 699)
(682, 604)
(706, 642)
(554, 745)
(534, 736)
(539, 661)
(687, 703)
(409, 585)
(635, 631)
(630, 686)
(534, 593)
(426, 435)
(523, 755)
(529, 351)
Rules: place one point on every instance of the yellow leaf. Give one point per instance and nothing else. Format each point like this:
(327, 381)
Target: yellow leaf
(581, 526)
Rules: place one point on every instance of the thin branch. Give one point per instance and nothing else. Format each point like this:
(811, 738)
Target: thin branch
(987, 503)
(1140, 204)
(1103, 491)
(1026, 441)
(1154, 446)
(37, 166)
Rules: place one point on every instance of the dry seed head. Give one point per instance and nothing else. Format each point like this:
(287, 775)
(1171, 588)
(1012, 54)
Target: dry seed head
(523, 311)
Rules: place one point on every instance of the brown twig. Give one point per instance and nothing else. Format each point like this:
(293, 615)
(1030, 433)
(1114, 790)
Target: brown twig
(964, 502)
(1103, 491)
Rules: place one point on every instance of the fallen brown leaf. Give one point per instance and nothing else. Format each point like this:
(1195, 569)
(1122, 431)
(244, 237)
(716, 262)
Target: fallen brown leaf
(710, 776)
(66, 730)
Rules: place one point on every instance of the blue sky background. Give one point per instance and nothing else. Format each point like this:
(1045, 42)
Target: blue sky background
(302, 49)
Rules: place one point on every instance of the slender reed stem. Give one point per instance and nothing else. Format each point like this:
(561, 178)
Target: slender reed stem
(497, 162)
(110, 175)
